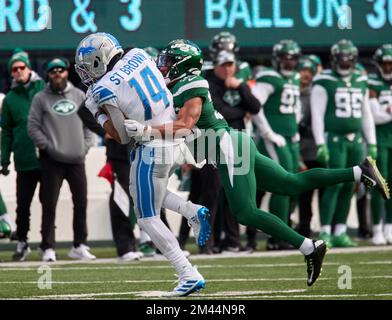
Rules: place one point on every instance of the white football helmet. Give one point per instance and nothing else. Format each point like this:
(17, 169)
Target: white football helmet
(94, 54)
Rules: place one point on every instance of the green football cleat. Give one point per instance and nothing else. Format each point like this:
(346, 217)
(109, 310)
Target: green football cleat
(147, 248)
(343, 241)
(5, 229)
(372, 178)
(314, 261)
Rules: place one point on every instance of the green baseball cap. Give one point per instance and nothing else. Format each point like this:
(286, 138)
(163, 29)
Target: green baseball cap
(57, 63)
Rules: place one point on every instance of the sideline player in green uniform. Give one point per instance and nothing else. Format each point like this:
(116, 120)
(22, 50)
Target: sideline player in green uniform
(340, 107)
(278, 91)
(380, 86)
(241, 167)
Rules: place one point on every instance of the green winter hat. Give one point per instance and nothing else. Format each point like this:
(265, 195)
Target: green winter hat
(19, 55)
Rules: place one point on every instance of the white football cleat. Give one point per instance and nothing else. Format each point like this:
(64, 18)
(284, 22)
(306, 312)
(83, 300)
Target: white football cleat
(378, 239)
(49, 255)
(81, 253)
(190, 281)
(129, 256)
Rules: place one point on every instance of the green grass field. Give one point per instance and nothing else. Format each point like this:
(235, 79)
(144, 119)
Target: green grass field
(260, 275)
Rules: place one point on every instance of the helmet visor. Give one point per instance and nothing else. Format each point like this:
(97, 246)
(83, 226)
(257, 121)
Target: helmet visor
(165, 62)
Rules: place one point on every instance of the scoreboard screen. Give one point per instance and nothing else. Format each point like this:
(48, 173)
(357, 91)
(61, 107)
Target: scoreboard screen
(60, 24)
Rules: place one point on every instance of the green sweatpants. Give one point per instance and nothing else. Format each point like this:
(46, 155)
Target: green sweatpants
(378, 204)
(251, 170)
(336, 200)
(288, 157)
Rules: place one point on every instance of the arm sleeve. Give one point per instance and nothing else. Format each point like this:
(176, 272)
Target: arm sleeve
(318, 107)
(379, 115)
(261, 123)
(117, 118)
(34, 125)
(368, 127)
(262, 91)
(6, 134)
(249, 102)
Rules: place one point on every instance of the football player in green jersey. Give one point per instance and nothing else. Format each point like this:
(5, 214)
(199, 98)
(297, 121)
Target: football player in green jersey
(242, 169)
(278, 91)
(380, 86)
(226, 41)
(340, 108)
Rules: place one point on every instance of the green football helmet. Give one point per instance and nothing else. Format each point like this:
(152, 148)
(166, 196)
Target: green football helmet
(179, 59)
(5, 229)
(344, 56)
(285, 57)
(383, 60)
(223, 41)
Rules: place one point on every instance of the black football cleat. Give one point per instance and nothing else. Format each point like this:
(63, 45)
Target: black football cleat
(372, 178)
(314, 261)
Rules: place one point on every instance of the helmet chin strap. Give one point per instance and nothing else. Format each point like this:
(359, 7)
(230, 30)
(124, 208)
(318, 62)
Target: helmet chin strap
(385, 76)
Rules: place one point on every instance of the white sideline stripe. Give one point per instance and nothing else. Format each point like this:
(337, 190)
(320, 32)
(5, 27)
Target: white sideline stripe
(229, 295)
(159, 293)
(283, 253)
(171, 280)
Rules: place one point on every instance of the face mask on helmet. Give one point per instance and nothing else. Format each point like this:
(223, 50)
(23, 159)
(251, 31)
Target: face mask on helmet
(165, 62)
(345, 64)
(385, 69)
(288, 65)
(94, 54)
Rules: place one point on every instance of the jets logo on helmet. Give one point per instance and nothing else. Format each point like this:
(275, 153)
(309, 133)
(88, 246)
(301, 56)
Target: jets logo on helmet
(94, 54)
(383, 60)
(285, 57)
(179, 59)
(344, 56)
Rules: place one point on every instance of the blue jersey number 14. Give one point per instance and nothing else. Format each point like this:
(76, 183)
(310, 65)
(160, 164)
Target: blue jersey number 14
(156, 94)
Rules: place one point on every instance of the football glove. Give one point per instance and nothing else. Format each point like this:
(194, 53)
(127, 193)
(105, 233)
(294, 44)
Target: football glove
(372, 151)
(138, 131)
(322, 154)
(277, 139)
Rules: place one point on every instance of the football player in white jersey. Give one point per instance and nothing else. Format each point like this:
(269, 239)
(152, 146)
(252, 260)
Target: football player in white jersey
(130, 86)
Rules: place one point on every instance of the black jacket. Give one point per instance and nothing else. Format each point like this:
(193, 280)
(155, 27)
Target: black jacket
(233, 104)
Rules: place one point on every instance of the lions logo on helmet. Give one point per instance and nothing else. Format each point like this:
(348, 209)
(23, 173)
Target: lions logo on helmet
(383, 60)
(285, 57)
(179, 59)
(94, 54)
(344, 56)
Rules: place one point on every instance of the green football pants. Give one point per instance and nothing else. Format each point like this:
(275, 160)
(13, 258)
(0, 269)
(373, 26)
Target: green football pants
(288, 157)
(243, 170)
(336, 200)
(378, 204)
(3, 208)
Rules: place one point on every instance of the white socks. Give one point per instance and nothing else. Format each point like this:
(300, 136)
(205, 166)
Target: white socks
(177, 204)
(357, 173)
(340, 229)
(325, 229)
(165, 241)
(306, 247)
